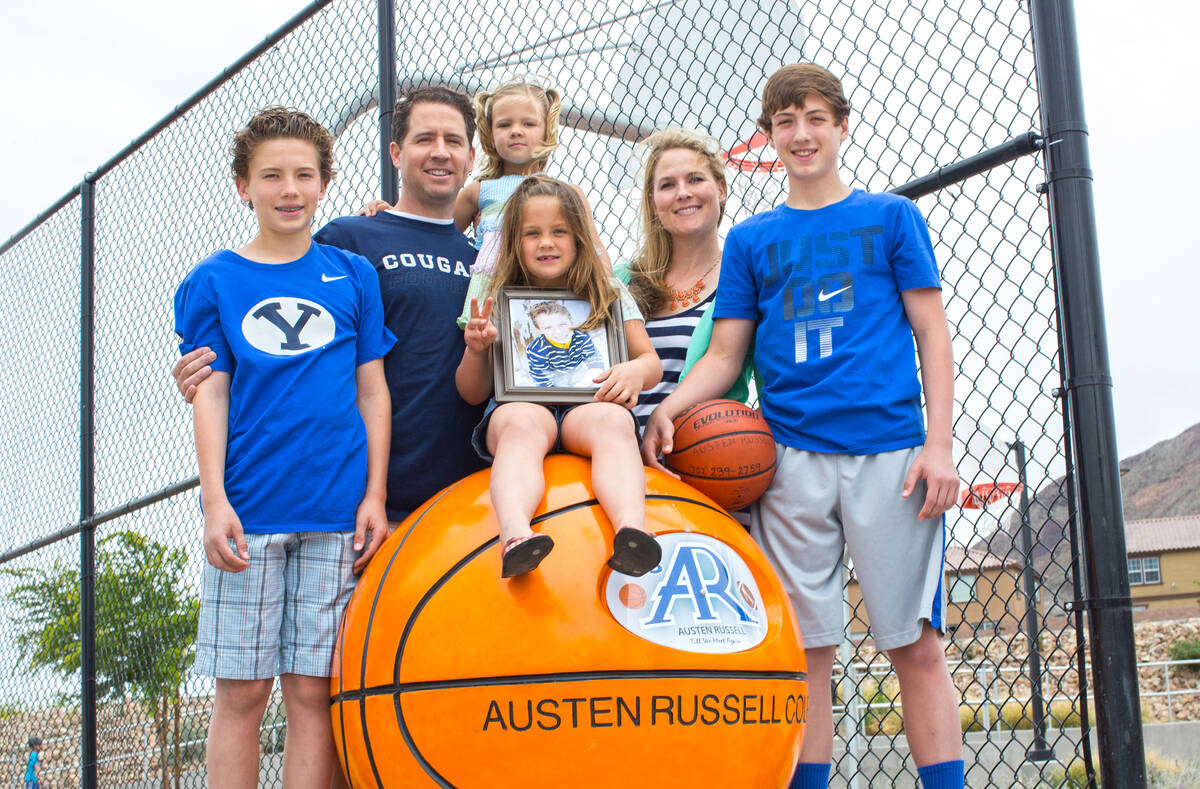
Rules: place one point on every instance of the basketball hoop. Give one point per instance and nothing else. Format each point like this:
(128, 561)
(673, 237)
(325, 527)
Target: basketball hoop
(753, 156)
(754, 180)
(977, 497)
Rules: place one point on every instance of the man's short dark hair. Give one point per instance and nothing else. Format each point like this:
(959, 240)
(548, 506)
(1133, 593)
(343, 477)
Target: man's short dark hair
(437, 95)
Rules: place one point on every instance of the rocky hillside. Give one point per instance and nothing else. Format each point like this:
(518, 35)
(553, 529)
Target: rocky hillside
(1165, 479)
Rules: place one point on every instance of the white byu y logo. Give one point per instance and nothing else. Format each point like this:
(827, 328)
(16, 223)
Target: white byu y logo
(287, 326)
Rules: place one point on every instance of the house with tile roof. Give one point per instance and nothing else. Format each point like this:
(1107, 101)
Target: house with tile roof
(1164, 562)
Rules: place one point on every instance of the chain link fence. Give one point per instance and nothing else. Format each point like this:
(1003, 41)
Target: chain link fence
(930, 84)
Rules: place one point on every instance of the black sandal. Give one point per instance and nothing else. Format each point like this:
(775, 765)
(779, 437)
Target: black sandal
(635, 552)
(523, 554)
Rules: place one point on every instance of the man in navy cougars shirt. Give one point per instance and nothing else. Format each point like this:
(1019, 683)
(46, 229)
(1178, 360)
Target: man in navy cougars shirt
(423, 262)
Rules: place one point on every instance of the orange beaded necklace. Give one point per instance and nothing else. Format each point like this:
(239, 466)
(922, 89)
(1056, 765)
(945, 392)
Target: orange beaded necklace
(689, 296)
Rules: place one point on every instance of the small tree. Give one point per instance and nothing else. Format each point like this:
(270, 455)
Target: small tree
(145, 626)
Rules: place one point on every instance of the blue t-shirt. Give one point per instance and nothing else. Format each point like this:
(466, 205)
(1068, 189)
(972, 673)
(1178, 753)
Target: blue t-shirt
(424, 269)
(31, 767)
(833, 346)
(291, 336)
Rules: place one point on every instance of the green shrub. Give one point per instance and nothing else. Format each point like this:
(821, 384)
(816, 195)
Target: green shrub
(1073, 777)
(881, 718)
(1015, 715)
(1063, 714)
(971, 714)
(1185, 649)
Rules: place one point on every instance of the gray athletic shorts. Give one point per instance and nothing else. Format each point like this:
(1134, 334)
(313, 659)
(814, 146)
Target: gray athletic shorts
(281, 614)
(819, 503)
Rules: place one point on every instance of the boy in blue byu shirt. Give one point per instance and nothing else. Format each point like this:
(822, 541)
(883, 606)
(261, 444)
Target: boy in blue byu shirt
(833, 287)
(291, 436)
(423, 263)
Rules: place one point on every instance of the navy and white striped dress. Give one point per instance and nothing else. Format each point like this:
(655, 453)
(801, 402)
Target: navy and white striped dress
(670, 336)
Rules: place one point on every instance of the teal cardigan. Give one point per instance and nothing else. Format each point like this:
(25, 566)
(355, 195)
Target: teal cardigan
(740, 390)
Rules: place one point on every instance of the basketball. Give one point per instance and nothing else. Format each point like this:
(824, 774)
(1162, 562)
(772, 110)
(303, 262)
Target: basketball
(725, 450)
(572, 675)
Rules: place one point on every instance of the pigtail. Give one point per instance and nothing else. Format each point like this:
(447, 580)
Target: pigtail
(552, 105)
(491, 165)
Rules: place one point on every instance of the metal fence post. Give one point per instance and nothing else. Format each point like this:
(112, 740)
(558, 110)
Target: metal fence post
(1167, 688)
(1039, 751)
(848, 688)
(389, 183)
(987, 698)
(1089, 387)
(87, 534)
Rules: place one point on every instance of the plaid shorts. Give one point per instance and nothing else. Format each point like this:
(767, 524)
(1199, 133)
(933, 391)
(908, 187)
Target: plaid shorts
(281, 614)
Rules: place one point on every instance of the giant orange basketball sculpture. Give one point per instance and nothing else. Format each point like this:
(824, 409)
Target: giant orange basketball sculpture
(572, 675)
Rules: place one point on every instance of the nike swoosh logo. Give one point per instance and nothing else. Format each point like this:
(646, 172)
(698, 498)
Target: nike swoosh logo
(823, 296)
(327, 278)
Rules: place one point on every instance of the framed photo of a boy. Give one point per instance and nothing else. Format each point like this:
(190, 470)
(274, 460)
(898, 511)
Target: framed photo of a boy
(544, 357)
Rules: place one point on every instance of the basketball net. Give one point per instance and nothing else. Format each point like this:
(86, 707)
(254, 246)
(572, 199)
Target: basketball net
(755, 183)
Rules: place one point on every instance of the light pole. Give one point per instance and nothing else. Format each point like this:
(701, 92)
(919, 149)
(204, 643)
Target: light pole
(1040, 750)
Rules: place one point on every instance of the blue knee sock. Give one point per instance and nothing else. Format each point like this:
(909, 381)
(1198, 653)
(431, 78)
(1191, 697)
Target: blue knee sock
(943, 775)
(810, 775)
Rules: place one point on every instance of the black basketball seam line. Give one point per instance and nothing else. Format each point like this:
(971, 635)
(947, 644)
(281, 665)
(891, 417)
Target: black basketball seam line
(675, 450)
(420, 606)
(408, 626)
(362, 707)
(441, 581)
(649, 497)
(467, 558)
(367, 637)
(579, 505)
(724, 479)
(425, 598)
(570, 676)
(341, 685)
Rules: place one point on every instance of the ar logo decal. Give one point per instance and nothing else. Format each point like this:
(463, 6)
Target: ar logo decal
(286, 326)
(698, 575)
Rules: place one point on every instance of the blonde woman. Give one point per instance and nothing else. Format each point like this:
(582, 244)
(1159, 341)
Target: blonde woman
(674, 275)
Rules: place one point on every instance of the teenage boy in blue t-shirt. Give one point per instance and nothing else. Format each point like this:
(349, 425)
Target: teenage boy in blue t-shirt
(291, 435)
(833, 287)
(423, 266)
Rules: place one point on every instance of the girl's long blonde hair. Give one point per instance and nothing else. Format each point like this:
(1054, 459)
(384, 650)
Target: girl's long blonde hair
(648, 271)
(547, 99)
(588, 277)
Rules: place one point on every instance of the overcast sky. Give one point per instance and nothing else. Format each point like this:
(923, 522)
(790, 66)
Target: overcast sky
(81, 80)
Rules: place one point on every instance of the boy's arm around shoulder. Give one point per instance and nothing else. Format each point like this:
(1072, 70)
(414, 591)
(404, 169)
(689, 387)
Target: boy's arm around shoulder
(710, 377)
(195, 317)
(935, 463)
(375, 405)
(210, 420)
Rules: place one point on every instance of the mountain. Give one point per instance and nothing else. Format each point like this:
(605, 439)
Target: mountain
(1164, 480)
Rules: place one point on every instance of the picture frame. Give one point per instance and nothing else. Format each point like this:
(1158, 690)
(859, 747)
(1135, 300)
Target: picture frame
(548, 374)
